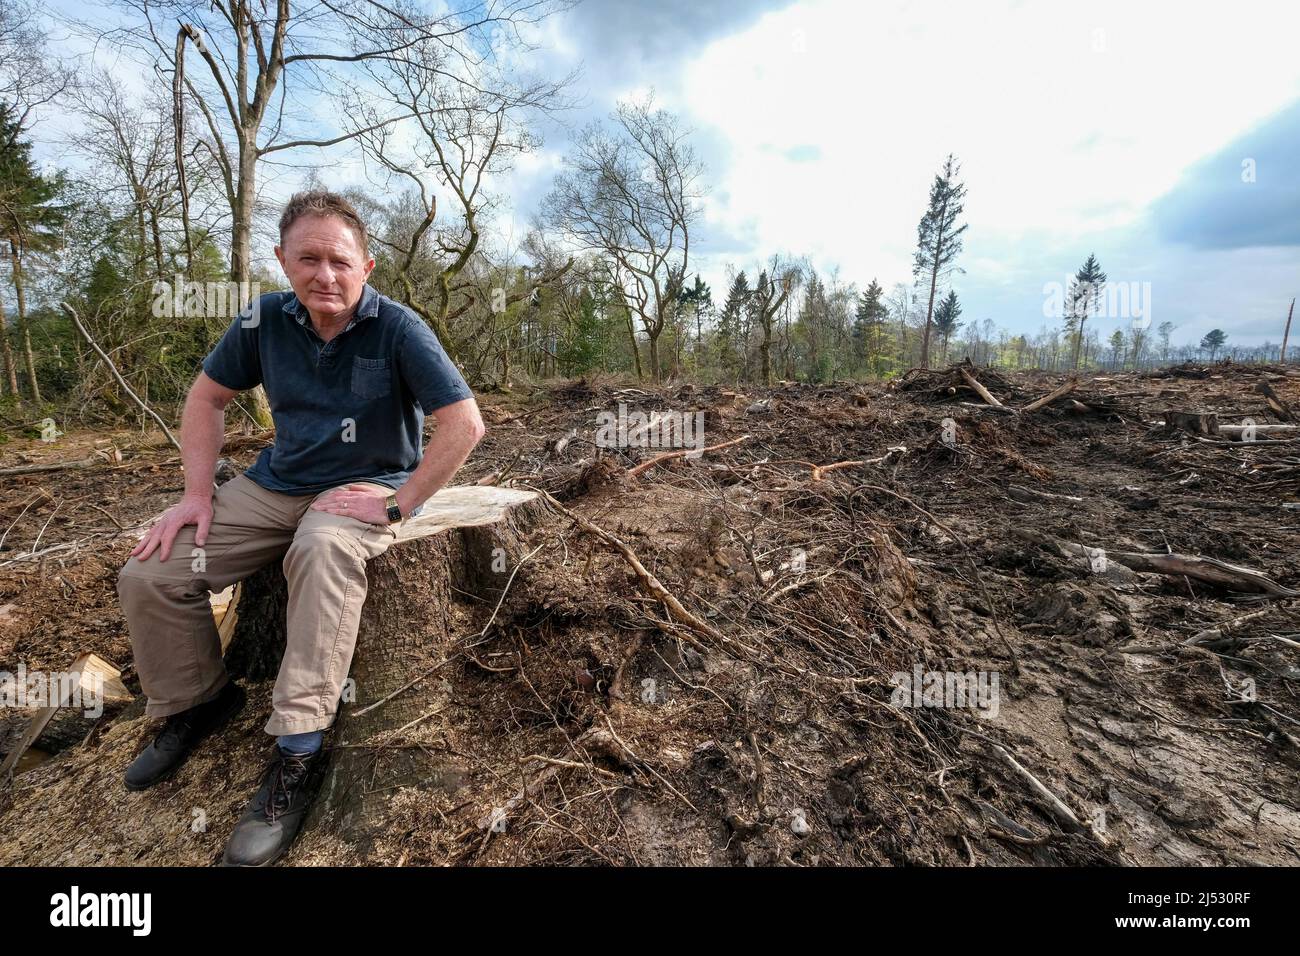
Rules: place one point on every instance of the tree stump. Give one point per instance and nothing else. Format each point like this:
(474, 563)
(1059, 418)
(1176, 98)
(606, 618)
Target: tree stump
(469, 540)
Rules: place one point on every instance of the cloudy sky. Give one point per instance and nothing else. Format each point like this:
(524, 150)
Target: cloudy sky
(1163, 137)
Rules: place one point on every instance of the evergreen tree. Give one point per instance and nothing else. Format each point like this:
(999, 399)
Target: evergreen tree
(730, 339)
(1083, 299)
(1213, 341)
(582, 348)
(30, 222)
(698, 297)
(869, 328)
(938, 239)
(945, 319)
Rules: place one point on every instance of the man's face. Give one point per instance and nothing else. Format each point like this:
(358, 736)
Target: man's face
(326, 266)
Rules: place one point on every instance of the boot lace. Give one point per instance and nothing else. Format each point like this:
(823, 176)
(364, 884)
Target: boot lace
(287, 774)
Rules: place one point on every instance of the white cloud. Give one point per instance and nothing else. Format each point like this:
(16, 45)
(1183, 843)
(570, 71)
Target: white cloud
(1068, 120)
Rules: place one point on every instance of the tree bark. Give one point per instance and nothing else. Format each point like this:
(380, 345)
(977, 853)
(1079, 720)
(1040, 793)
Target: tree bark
(23, 332)
(7, 352)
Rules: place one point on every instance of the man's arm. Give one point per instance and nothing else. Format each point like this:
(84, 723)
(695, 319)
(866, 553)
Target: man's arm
(203, 432)
(460, 428)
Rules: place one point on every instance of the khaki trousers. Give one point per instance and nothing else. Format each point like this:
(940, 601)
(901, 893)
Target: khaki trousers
(174, 636)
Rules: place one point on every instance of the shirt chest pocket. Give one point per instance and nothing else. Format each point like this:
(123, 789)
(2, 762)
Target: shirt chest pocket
(371, 377)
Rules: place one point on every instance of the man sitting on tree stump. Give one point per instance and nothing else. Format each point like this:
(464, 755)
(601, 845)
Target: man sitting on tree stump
(349, 374)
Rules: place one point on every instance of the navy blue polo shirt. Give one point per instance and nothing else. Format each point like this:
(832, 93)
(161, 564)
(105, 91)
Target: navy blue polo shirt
(350, 409)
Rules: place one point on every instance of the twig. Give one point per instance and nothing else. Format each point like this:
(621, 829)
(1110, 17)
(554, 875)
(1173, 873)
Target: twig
(76, 320)
(649, 582)
(666, 456)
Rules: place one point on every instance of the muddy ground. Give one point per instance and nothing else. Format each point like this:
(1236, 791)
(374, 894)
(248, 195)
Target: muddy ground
(782, 738)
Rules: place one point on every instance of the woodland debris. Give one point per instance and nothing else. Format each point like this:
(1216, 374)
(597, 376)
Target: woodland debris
(76, 320)
(1209, 570)
(1057, 393)
(648, 581)
(1279, 408)
(91, 683)
(1197, 423)
(668, 456)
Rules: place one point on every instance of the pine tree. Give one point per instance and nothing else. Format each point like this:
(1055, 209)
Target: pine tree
(869, 327)
(938, 239)
(730, 339)
(698, 297)
(945, 319)
(1213, 341)
(30, 221)
(809, 330)
(1083, 299)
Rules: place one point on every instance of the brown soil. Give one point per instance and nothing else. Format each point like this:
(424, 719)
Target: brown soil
(778, 742)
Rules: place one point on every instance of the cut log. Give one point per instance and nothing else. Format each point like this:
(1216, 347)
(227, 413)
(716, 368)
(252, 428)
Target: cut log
(1069, 386)
(1239, 432)
(980, 390)
(89, 689)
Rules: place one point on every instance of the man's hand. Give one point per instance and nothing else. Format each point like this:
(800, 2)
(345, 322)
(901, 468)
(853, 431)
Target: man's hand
(190, 510)
(365, 502)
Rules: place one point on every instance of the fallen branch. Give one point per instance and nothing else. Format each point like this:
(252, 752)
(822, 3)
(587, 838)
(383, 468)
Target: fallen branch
(1054, 803)
(983, 392)
(55, 466)
(667, 456)
(648, 581)
(76, 320)
(1209, 570)
(818, 471)
(1220, 631)
(1052, 396)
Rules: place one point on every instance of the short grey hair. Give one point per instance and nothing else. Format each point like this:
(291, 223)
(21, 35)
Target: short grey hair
(323, 203)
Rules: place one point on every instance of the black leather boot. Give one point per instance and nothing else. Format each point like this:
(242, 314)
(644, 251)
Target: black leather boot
(276, 812)
(180, 734)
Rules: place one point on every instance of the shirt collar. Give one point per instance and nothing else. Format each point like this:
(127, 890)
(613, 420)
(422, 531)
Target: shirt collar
(367, 307)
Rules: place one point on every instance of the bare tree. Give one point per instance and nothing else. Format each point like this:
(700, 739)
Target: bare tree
(769, 295)
(250, 53)
(470, 125)
(631, 196)
(128, 147)
(30, 78)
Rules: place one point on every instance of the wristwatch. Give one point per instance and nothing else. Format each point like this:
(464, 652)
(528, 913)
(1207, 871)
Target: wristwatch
(394, 512)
